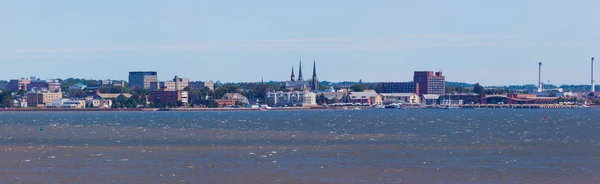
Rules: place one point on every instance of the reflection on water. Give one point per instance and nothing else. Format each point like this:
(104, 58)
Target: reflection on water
(372, 146)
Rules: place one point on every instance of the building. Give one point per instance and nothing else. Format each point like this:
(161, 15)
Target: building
(110, 96)
(100, 103)
(408, 98)
(428, 82)
(333, 97)
(53, 84)
(80, 86)
(367, 97)
(398, 87)
(315, 79)
(166, 85)
(178, 84)
(300, 84)
(66, 104)
(41, 98)
(20, 102)
(231, 99)
(142, 79)
(197, 85)
(3, 85)
(460, 99)
(517, 99)
(295, 98)
(430, 99)
(18, 84)
(169, 97)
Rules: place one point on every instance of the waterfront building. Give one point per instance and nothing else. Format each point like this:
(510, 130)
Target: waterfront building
(295, 98)
(517, 99)
(398, 87)
(367, 97)
(460, 99)
(430, 99)
(41, 98)
(66, 104)
(428, 82)
(408, 98)
(202, 84)
(168, 97)
(142, 79)
(99, 103)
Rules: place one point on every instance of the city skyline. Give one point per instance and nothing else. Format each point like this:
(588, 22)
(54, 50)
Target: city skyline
(489, 43)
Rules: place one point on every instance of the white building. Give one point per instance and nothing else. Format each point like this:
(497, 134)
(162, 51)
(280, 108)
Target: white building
(409, 98)
(66, 104)
(296, 98)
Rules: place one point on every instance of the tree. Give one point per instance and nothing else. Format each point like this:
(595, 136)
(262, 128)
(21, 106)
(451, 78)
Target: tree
(322, 99)
(478, 89)
(77, 93)
(358, 87)
(6, 100)
(450, 89)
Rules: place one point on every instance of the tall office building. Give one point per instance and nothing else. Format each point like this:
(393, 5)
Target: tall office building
(142, 79)
(428, 82)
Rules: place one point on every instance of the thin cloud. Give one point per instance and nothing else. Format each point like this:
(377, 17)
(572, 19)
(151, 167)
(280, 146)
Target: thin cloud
(394, 42)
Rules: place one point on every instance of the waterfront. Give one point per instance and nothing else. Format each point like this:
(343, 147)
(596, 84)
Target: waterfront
(317, 146)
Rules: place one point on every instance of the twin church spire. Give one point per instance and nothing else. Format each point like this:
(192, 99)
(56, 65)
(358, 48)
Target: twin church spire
(300, 78)
(315, 81)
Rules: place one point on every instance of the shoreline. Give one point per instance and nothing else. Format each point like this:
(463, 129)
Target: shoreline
(273, 109)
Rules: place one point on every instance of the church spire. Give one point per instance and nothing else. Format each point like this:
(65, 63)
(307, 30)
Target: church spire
(293, 77)
(315, 80)
(314, 68)
(300, 72)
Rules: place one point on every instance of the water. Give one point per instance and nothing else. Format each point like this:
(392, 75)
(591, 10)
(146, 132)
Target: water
(329, 146)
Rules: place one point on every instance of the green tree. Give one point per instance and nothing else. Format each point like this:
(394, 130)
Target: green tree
(6, 100)
(321, 99)
(450, 89)
(358, 87)
(227, 88)
(478, 89)
(77, 93)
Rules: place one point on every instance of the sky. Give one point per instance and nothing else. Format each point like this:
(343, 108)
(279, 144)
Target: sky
(489, 42)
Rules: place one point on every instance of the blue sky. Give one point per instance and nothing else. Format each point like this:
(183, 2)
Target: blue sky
(494, 43)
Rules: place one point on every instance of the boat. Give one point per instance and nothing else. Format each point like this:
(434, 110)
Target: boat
(393, 106)
(356, 108)
(379, 107)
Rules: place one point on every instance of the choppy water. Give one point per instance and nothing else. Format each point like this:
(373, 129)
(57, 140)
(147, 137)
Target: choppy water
(330, 146)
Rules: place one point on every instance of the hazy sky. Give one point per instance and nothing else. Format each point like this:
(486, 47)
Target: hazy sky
(491, 42)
